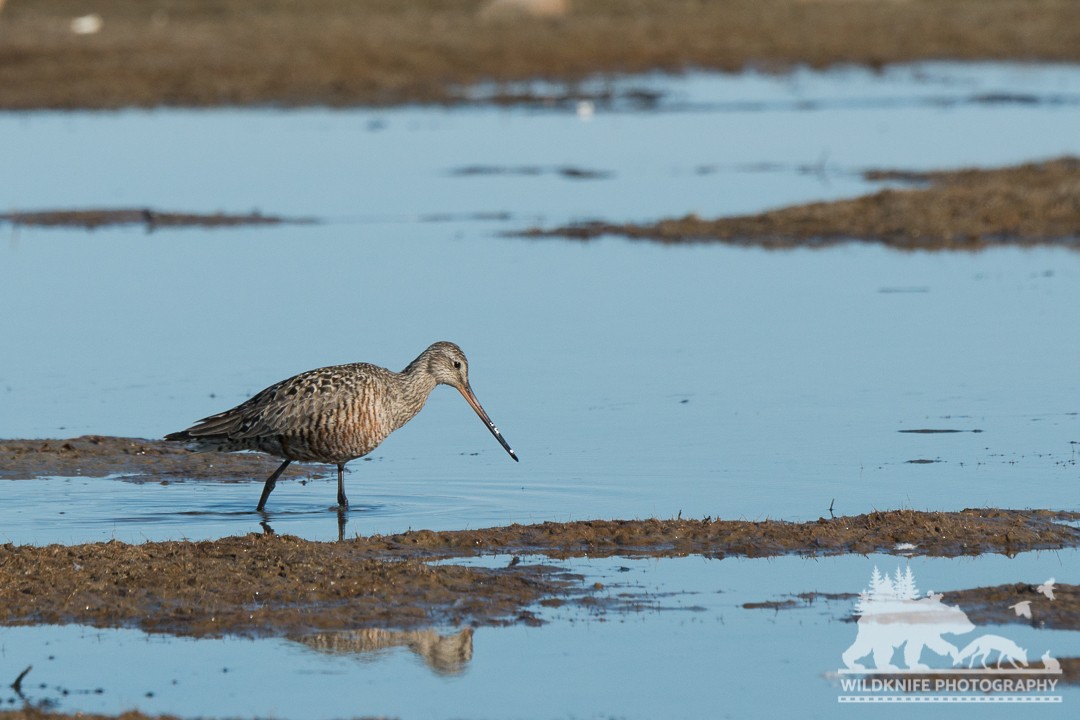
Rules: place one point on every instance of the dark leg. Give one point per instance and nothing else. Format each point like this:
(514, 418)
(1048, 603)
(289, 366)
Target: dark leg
(342, 518)
(270, 483)
(342, 501)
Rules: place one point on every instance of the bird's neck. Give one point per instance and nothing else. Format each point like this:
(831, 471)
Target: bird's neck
(416, 384)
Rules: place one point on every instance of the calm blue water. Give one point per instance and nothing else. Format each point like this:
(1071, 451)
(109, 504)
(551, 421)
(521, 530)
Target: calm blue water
(704, 655)
(633, 380)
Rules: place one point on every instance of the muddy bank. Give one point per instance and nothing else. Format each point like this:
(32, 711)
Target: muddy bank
(1054, 606)
(29, 712)
(945, 534)
(1032, 204)
(258, 585)
(337, 52)
(136, 459)
(566, 171)
(146, 217)
(282, 585)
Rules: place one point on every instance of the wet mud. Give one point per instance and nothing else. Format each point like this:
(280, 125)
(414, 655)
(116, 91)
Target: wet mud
(259, 585)
(569, 172)
(282, 585)
(1031, 204)
(336, 52)
(135, 459)
(943, 534)
(29, 712)
(1055, 606)
(146, 217)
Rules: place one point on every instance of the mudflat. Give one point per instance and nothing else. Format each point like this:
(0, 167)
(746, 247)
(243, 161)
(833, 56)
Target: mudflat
(256, 585)
(134, 459)
(148, 218)
(373, 52)
(1029, 204)
(267, 584)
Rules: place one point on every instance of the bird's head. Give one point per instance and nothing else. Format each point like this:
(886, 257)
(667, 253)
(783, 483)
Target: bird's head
(445, 362)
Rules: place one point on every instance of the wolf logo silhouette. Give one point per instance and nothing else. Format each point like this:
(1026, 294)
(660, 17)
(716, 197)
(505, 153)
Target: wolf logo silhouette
(892, 614)
(981, 648)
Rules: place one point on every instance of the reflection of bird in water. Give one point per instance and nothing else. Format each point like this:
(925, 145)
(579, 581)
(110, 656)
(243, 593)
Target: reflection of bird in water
(335, 414)
(445, 654)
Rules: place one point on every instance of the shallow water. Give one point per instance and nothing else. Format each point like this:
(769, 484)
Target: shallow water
(648, 380)
(703, 655)
(634, 380)
(715, 144)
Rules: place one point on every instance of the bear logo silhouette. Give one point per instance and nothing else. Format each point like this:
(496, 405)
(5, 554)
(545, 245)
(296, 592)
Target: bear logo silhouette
(892, 614)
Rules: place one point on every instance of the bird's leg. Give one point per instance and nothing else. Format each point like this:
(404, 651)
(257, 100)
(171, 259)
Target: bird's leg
(342, 501)
(269, 486)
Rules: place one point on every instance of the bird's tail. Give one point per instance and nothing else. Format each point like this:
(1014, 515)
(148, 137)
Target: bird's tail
(211, 433)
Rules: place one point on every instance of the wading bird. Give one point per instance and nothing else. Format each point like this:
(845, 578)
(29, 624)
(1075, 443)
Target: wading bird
(334, 414)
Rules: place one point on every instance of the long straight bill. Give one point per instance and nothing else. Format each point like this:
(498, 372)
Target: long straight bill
(470, 398)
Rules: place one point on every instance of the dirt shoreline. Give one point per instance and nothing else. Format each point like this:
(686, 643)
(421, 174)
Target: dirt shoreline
(147, 217)
(258, 585)
(29, 712)
(339, 52)
(1030, 204)
(941, 534)
(281, 585)
(135, 459)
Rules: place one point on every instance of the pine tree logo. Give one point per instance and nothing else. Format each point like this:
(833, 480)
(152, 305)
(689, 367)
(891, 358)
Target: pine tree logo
(884, 589)
(892, 614)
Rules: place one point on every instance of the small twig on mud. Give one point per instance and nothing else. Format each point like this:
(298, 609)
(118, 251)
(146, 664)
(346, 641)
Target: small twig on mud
(831, 502)
(17, 685)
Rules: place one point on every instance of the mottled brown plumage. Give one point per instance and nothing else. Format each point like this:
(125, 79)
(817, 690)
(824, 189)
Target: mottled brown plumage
(334, 414)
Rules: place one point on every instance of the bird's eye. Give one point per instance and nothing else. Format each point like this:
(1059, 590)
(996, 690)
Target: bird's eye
(457, 364)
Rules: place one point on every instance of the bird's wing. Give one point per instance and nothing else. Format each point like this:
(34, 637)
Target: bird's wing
(1023, 609)
(309, 401)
